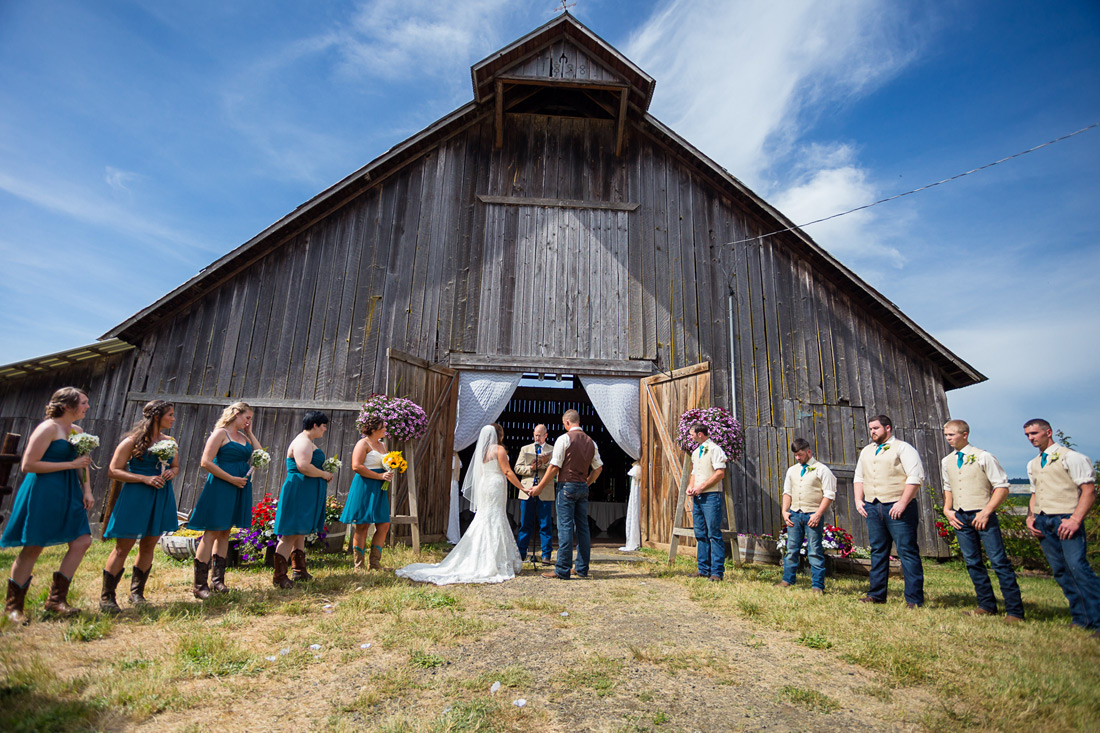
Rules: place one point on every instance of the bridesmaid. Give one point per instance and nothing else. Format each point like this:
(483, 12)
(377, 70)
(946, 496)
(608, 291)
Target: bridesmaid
(146, 505)
(367, 503)
(51, 507)
(226, 498)
(301, 508)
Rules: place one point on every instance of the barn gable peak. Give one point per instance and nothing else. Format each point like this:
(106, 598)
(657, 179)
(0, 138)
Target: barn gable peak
(561, 69)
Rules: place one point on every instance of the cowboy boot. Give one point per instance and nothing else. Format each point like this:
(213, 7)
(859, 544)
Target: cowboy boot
(13, 606)
(107, 602)
(375, 557)
(137, 586)
(217, 574)
(200, 587)
(298, 563)
(58, 600)
(359, 556)
(279, 580)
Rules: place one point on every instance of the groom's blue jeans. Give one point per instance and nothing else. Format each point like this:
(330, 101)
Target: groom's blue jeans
(534, 510)
(572, 503)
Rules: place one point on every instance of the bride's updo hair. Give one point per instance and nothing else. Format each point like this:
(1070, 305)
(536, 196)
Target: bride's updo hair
(500, 433)
(230, 413)
(66, 398)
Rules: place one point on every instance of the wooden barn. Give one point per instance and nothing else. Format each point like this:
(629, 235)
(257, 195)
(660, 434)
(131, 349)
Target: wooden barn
(550, 243)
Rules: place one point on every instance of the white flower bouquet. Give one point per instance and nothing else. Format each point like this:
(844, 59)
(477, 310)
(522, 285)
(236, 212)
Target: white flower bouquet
(165, 451)
(332, 465)
(84, 443)
(260, 459)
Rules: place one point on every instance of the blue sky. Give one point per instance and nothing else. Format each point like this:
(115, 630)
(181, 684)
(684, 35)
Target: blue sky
(139, 141)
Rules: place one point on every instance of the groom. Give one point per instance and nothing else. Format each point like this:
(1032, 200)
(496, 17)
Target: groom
(574, 454)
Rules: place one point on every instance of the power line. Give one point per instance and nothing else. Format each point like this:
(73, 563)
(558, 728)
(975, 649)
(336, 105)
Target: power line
(916, 190)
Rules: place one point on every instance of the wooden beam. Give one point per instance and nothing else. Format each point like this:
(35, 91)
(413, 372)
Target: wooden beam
(621, 126)
(500, 114)
(557, 203)
(538, 81)
(551, 365)
(185, 399)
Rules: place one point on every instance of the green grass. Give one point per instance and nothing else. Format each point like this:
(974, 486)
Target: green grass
(809, 699)
(598, 674)
(210, 654)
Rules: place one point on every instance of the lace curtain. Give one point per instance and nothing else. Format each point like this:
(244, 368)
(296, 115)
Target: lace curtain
(617, 402)
(482, 396)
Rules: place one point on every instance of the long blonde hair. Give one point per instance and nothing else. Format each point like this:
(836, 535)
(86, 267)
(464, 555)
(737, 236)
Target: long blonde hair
(66, 398)
(230, 413)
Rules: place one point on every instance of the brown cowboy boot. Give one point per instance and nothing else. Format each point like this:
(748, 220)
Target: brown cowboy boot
(298, 563)
(360, 556)
(13, 606)
(202, 572)
(375, 557)
(58, 600)
(279, 580)
(217, 574)
(137, 586)
(107, 602)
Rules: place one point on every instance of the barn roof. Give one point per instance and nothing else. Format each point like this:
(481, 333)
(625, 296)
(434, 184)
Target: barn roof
(638, 88)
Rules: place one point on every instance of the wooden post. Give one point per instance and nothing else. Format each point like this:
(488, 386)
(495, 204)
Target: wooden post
(412, 518)
(678, 515)
(9, 456)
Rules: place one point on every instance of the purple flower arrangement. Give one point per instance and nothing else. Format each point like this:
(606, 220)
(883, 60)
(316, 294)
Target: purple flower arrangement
(724, 430)
(405, 420)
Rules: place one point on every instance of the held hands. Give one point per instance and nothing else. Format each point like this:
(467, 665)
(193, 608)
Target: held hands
(170, 474)
(954, 521)
(155, 481)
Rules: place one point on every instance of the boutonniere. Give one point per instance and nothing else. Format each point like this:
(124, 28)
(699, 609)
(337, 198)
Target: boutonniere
(971, 458)
(810, 468)
(1054, 457)
(703, 449)
(885, 446)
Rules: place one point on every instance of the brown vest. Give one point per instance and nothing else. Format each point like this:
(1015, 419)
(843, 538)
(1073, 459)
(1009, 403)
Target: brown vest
(578, 458)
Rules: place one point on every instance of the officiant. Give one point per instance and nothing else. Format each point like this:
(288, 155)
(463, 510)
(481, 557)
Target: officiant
(531, 466)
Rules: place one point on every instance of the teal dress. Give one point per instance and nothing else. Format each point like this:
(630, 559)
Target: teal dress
(141, 510)
(301, 507)
(49, 507)
(222, 505)
(367, 503)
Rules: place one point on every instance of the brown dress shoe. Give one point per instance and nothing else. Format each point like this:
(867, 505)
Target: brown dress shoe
(13, 606)
(782, 584)
(58, 600)
(298, 564)
(200, 589)
(1013, 620)
(553, 575)
(107, 601)
(279, 579)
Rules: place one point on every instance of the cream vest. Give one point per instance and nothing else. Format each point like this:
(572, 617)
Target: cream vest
(883, 475)
(970, 487)
(806, 490)
(1055, 491)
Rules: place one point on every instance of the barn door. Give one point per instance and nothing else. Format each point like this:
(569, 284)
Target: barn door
(420, 497)
(664, 398)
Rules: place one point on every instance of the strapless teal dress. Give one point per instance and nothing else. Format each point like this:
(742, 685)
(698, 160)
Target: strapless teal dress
(49, 507)
(301, 507)
(222, 505)
(367, 503)
(141, 510)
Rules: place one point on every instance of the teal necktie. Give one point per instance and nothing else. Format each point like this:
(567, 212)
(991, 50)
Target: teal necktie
(803, 470)
(960, 459)
(879, 448)
(1043, 460)
(700, 451)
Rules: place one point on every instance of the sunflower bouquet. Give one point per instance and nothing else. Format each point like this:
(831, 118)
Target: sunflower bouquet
(395, 462)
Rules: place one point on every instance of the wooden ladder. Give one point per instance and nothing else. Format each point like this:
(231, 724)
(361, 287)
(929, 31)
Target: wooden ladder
(678, 531)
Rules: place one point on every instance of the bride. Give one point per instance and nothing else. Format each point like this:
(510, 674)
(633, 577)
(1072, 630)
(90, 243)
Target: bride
(487, 553)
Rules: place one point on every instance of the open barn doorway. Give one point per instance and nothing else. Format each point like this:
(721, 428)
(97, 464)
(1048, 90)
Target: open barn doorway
(542, 398)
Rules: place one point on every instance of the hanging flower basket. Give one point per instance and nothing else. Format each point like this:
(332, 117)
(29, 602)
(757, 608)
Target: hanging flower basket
(405, 420)
(724, 430)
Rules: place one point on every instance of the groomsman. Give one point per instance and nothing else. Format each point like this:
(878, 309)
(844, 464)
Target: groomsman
(577, 459)
(1063, 490)
(531, 465)
(974, 485)
(708, 469)
(808, 489)
(888, 475)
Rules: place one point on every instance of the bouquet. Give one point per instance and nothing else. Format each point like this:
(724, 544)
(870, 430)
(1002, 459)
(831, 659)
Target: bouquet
(724, 430)
(165, 451)
(84, 443)
(332, 465)
(405, 420)
(395, 462)
(255, 540)
(260, 458)
(833, 538)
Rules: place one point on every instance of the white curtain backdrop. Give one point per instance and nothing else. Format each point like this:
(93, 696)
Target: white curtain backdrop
(482, 396)
(617, 402)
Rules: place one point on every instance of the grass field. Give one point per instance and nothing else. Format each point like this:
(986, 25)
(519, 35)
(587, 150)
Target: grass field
(641, 646)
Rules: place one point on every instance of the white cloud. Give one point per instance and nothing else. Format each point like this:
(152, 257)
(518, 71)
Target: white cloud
(118, 179)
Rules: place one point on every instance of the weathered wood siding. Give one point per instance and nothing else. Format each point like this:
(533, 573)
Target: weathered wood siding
(418, 262)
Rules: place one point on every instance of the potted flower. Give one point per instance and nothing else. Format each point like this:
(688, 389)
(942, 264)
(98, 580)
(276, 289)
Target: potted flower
(258, 541)
(331, 536)
(758, 548)
(405, 420)
(723, 430)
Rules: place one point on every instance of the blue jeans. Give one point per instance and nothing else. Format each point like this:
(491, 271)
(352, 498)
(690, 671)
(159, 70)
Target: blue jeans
(971, 541)
(1071, 569)
(882, 530)
(706, 519)
(572, 502)
(530, 510)
(814, 552)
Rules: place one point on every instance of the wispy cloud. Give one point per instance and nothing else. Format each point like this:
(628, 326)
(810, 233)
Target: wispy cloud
(118, 180)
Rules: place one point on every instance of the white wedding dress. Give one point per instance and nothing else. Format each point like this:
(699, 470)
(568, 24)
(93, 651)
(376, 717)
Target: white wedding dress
(487, 553)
